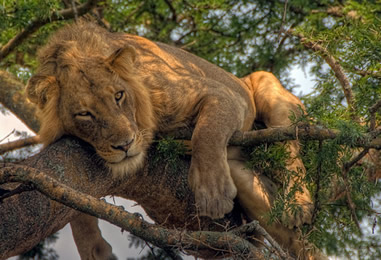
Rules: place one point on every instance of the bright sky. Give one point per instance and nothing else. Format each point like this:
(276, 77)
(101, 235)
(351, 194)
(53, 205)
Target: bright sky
(65, 246)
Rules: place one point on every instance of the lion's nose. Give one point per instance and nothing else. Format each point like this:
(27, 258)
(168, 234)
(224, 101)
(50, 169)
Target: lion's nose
(124, 146)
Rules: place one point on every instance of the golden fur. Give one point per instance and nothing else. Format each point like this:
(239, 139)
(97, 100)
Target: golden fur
(115, 91)
(82, 70)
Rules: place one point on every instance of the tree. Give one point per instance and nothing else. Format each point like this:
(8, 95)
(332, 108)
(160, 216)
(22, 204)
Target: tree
(341, 136)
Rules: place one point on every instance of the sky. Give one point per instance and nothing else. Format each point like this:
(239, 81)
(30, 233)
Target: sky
(65, 246)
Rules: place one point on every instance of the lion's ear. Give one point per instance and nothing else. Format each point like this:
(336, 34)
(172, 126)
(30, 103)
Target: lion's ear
(122, 60)
(41, 88)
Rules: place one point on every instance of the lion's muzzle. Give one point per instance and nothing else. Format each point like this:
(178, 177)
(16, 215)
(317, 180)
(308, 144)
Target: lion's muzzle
(124, 146)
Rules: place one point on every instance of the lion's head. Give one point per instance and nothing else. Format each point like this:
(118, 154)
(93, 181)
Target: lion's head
(94, 96)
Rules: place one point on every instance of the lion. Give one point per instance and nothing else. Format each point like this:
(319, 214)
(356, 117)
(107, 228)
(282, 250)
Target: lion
(115, 91)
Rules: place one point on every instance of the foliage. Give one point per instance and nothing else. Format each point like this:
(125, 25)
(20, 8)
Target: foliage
(245, 36)
(170, 151)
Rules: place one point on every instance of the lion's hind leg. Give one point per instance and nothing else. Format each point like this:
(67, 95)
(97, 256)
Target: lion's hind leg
(274, 106)
(88, 239)
(256, 194)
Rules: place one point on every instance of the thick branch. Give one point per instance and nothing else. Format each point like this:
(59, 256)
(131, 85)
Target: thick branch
(155, 234)
(36, 24)
(29, 217)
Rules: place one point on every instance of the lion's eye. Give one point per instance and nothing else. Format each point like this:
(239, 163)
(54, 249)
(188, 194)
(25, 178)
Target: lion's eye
(118, 96)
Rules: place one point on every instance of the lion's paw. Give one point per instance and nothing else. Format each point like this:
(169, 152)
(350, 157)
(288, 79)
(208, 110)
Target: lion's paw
(214, 191)
(214, 207)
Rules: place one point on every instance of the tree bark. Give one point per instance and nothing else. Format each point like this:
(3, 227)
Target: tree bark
(29, 217)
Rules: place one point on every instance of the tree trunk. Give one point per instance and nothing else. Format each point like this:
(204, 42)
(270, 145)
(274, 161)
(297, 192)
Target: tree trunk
(161, 190)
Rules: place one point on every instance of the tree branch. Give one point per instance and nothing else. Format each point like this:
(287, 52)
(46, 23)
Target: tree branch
(295, 132)
(12, 97)
(7, 147)
(36, 24)
(364, 73)
(337, 69)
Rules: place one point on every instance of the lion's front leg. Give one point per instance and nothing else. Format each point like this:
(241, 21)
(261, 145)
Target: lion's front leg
(88, 239)
(209, 174)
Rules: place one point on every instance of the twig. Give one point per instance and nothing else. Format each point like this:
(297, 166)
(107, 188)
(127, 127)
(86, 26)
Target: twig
(20, 189)
(351, 205)
(173, 10)
(36, 24)
(8, 135)
(154, 234)
(332, 10)
(317, 205)
(74, 10)
(337, 69)
(281, 30)
(357, 158)
(364, 73)
(10, 146)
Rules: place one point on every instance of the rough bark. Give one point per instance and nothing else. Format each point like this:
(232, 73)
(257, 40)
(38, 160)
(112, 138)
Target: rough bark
(29, 217)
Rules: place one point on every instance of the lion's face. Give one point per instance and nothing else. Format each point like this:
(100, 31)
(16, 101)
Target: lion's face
(91, 100)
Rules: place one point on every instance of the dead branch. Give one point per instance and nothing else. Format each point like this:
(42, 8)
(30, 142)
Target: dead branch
(65, 14)
(7, 147)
